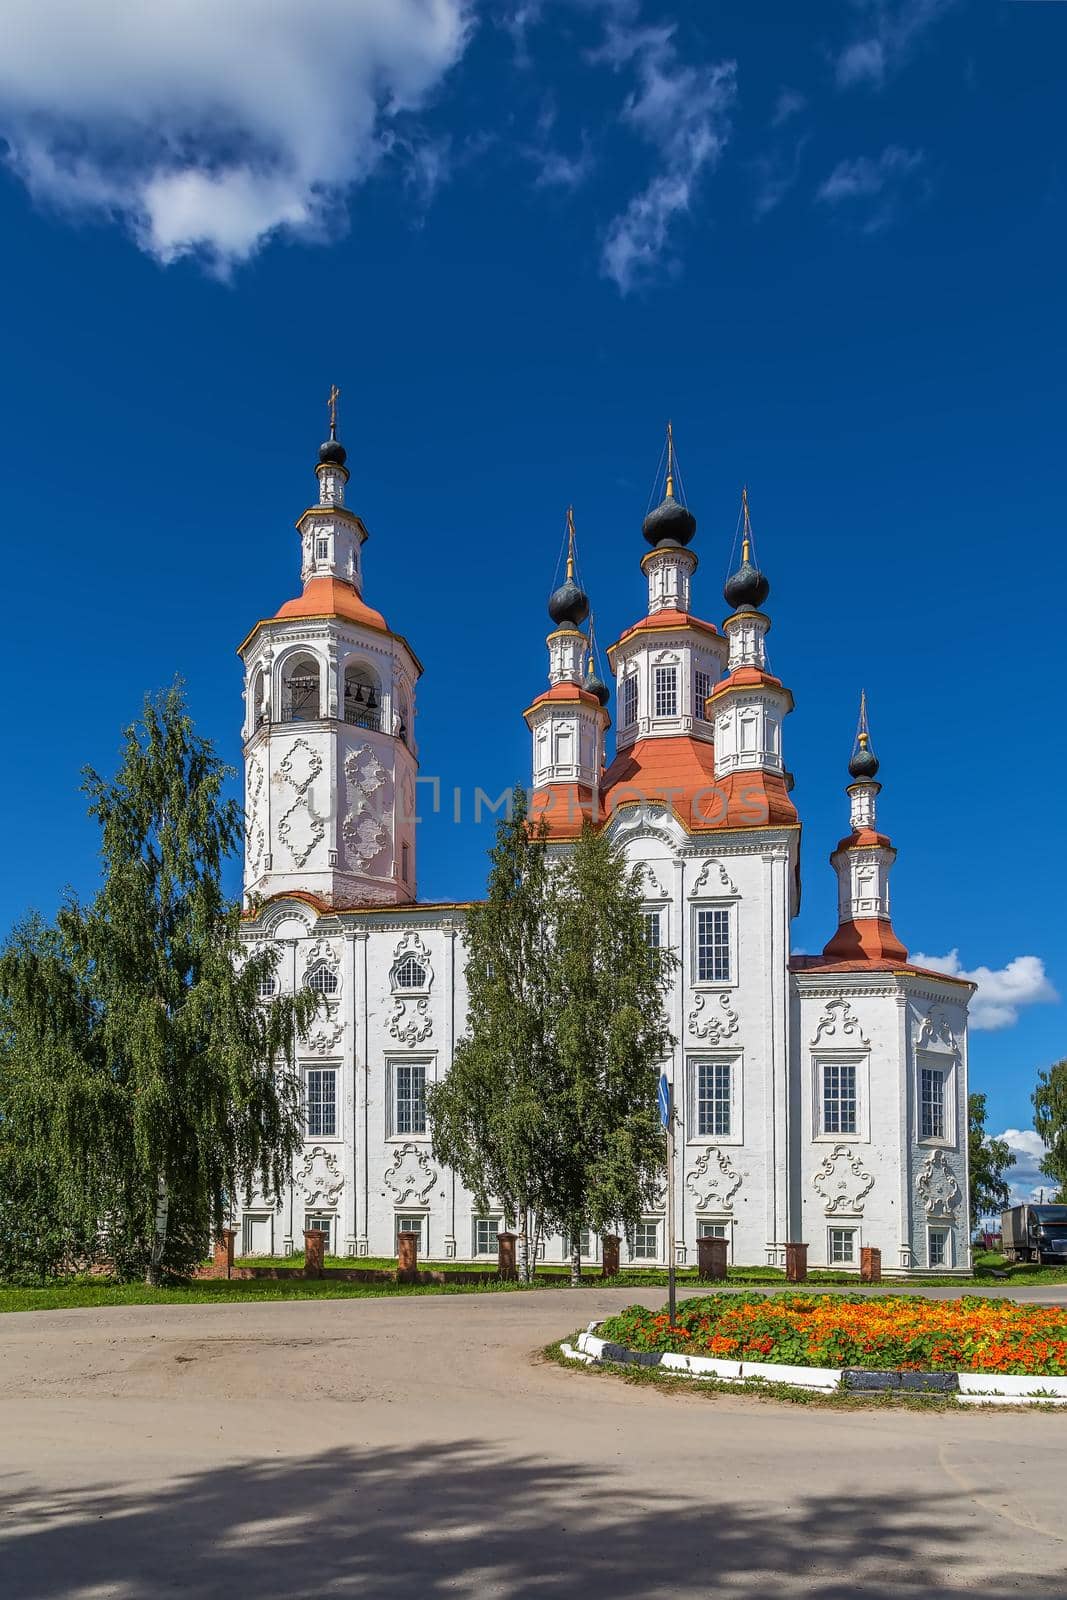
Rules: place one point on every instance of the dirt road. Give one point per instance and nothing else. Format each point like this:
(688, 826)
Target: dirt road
(412, 1448)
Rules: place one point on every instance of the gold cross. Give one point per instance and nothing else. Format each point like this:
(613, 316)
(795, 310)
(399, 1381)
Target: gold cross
(335, 395)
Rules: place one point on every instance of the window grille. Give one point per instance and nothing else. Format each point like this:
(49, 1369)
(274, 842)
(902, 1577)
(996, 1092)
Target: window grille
(320, 1225)
(486, 1231)
(838, 1097)
(412, 1225)
(321, 1099)
(321, 979)
(932, 1103)
(410, 974)
(646, 1241)
(665, 691)
(322, 549)
(714, 1084)
(842, 1245)
(410, 1099)
(713, 945)
(939, 1247)
(629, 700)
(711, 1230)
(652, 929)
(267, 986)
(703, 683)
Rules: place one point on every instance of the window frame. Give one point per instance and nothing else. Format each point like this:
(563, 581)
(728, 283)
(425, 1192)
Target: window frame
(395, 1066)
(323, 969)
(422, 1217)
(647, 913)
(947, 1064)
(700, 908)
(631, 714)
(705, 1222)
(732, 1060)
(656, 1224)
(322, 1068)
(492, 1220)
(861, 1061)
(853, 1233)
(699, 700)
(662, 672)
(312, 1218)
(946, 1261)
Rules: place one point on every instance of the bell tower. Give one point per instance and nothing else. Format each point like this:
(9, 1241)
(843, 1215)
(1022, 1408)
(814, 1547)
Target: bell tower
(329, 746)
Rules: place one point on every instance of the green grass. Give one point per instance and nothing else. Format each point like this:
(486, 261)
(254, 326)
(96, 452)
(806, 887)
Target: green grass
(208, 1291)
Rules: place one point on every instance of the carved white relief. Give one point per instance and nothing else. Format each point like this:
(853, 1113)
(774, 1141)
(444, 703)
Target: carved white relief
(320, 1177)
(325, 951)
(842, 1181)
(301, 829)
(300, 765)
(410, 946)
(838, 1022)
(713, 1181)
(363, 828)
(411, 1021)
(721, 1022)
(407, 796)
(934, 1029)
(326, 1031)
(254, 833)
(411, 1175)
(938, 1187)
(651, 885)
(712, 873)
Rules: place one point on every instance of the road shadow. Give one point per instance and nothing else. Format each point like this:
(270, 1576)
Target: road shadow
(466, 1520)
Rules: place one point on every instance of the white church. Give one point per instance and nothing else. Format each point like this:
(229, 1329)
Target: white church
(820, 1099)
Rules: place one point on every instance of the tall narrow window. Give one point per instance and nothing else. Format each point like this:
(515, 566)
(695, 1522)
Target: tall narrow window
(665, 691)
(838, 1097)
(703, 683)
(713, 945)
(410, 1110)
(713, 1095)
(629, 700)
(321, 1097)
(405, 860)
(652, 929)
(939, 1247)
(931, 1103)
(322, 549)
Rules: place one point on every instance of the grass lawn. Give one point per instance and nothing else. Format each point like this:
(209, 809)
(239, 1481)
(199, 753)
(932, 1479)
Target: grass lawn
(87, 1295)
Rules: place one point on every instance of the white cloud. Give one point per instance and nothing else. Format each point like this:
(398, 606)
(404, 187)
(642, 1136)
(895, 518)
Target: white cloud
(207, 128)
(1001, 990)
(879, 182)
(682, 110)
(1026, 1178)
(789, 104)
(887, 33)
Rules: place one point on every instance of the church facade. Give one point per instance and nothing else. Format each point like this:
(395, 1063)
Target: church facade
(819, 1098)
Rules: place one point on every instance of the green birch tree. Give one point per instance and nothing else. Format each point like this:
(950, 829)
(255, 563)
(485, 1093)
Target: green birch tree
(490, 1119)
(612, 1035)
(1050, 1121)
(144, 1068)
(988, 1160)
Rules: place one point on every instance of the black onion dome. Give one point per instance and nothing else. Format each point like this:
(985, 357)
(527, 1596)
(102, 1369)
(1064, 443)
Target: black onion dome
(864, 763)
(669, 523)
(596, 685)
(568, 604)
(746, 588)
(332, 453)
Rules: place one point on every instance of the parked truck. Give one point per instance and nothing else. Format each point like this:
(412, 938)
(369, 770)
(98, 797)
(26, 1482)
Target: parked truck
(1035, 1233)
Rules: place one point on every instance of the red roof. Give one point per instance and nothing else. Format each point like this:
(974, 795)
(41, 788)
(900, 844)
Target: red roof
(819, 964)
(331, 597)
(664, 621)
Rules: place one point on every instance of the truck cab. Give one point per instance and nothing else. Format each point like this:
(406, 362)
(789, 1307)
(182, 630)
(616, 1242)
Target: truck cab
(1035, 1233)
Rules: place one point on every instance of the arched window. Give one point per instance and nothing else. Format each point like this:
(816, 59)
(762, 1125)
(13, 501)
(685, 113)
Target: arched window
(257, 712)
(410, 974)
(362, 697)
(321, 979)
(402, 728)
(301, 692)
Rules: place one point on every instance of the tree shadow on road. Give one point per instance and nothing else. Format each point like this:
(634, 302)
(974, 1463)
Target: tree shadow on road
(466, 1520)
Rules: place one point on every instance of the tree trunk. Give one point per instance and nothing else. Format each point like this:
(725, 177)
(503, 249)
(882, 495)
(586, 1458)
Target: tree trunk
(576, 1258)
(154, 1275)
(525, 1275)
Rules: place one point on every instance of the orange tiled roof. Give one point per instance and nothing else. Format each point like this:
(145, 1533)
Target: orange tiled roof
(661, 620)
(820, 964)
(331, 597)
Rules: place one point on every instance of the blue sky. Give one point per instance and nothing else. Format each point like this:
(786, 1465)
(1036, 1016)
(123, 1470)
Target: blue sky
(827, 241)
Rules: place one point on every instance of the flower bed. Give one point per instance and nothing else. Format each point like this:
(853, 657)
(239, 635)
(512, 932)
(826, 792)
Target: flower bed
(890, 1332)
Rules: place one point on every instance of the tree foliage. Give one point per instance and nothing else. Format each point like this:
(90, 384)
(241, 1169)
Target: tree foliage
(550, 1105)
(1050, 1120)
(988, 1160)
(143, 1068)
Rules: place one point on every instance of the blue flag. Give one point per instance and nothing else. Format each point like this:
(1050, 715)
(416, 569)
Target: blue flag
(664, 1097)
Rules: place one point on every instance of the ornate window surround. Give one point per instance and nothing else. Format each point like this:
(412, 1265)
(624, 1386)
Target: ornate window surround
(861, 1060)
(734, 1059)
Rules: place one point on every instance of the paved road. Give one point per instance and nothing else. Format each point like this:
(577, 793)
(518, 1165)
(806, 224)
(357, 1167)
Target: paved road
(410, 1449)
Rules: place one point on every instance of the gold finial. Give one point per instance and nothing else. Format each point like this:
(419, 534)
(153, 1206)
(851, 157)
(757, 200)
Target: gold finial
(863, 735)
(335, 395)
(670, 461)
(570, 543)
(746, 536)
